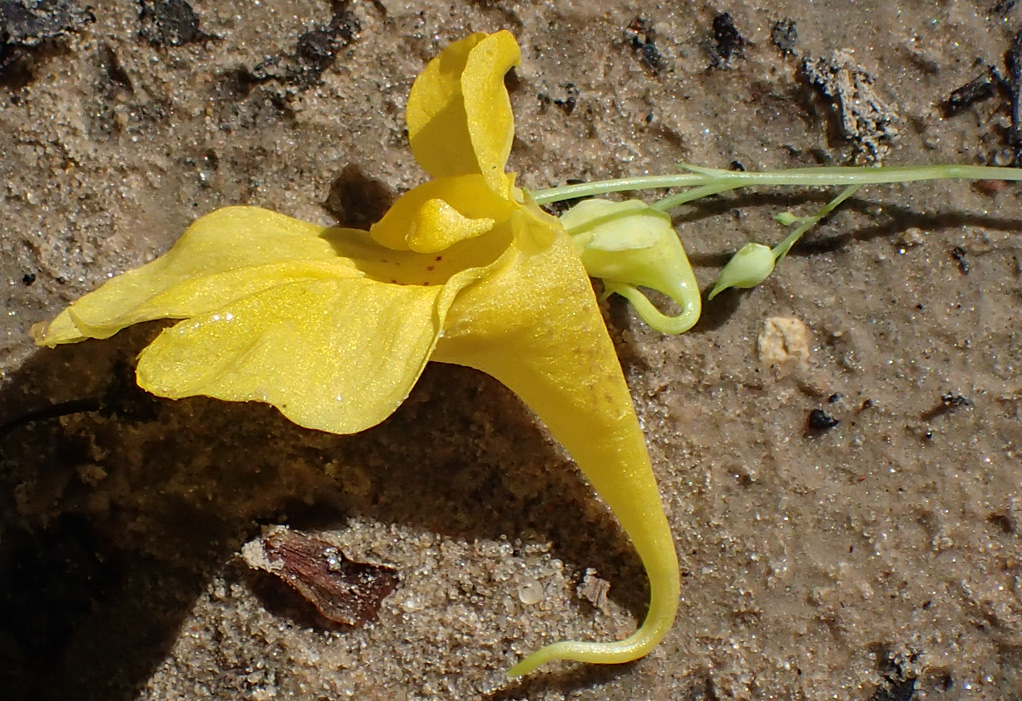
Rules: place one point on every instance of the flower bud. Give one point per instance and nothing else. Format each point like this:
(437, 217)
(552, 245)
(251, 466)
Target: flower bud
(749, 267)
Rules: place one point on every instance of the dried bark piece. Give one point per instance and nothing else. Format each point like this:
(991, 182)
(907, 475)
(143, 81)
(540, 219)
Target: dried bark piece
(342, 590)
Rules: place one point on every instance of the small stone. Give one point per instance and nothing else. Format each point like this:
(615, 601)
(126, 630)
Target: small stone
(910, 238)
(412, 604)
(593, 589)
(783, 341)
(530, 592)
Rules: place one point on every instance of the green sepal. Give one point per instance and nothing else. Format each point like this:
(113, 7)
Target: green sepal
(630, 245)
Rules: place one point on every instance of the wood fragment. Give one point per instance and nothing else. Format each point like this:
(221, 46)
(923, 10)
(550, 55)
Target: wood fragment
(342, 590)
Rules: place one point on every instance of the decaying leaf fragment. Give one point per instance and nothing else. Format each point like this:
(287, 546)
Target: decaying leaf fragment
(342, 590)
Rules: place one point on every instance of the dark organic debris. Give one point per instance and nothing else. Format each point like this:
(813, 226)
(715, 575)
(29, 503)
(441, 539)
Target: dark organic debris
(27, 25)
(243, 102)
(949, 401)
(169, 23)
(31, 22)
(1013, 63)
(958, 253)
(315, 51)
(53, 411)
(342, 590)
(566, 105)
(820, 421)
(866, 119)
(727, 40)
(356, 200)
(785, 36)
(898, 684)
(953, 401)
(976, 90)
(991, 82)
(641, 36)
(27, 279)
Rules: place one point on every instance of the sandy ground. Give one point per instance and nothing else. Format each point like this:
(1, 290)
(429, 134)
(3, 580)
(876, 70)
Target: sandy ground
(879, 559)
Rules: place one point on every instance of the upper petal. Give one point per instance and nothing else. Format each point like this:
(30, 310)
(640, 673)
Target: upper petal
(459, 114)
(228, 254)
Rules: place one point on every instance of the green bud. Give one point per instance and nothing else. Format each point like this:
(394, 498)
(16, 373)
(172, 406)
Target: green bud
(749, 267)
(786, 218)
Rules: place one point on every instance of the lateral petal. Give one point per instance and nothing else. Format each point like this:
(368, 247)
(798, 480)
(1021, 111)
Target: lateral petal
(491, 124)
(435, 113)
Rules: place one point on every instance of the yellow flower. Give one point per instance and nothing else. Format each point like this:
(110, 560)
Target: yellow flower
(334, 326)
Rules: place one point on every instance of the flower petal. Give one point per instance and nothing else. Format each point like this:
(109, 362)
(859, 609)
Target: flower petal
(491, 122)
(228, 254)
(336, 355)
(459, 114)
(534, 325)
(441, 213)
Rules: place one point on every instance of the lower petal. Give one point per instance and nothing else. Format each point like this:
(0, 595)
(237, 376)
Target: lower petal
(336, 355)
(535, 326)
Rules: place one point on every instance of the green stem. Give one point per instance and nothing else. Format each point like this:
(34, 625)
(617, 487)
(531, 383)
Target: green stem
(781, 249)
(602, 187)
(714, 178)
(696, 193)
